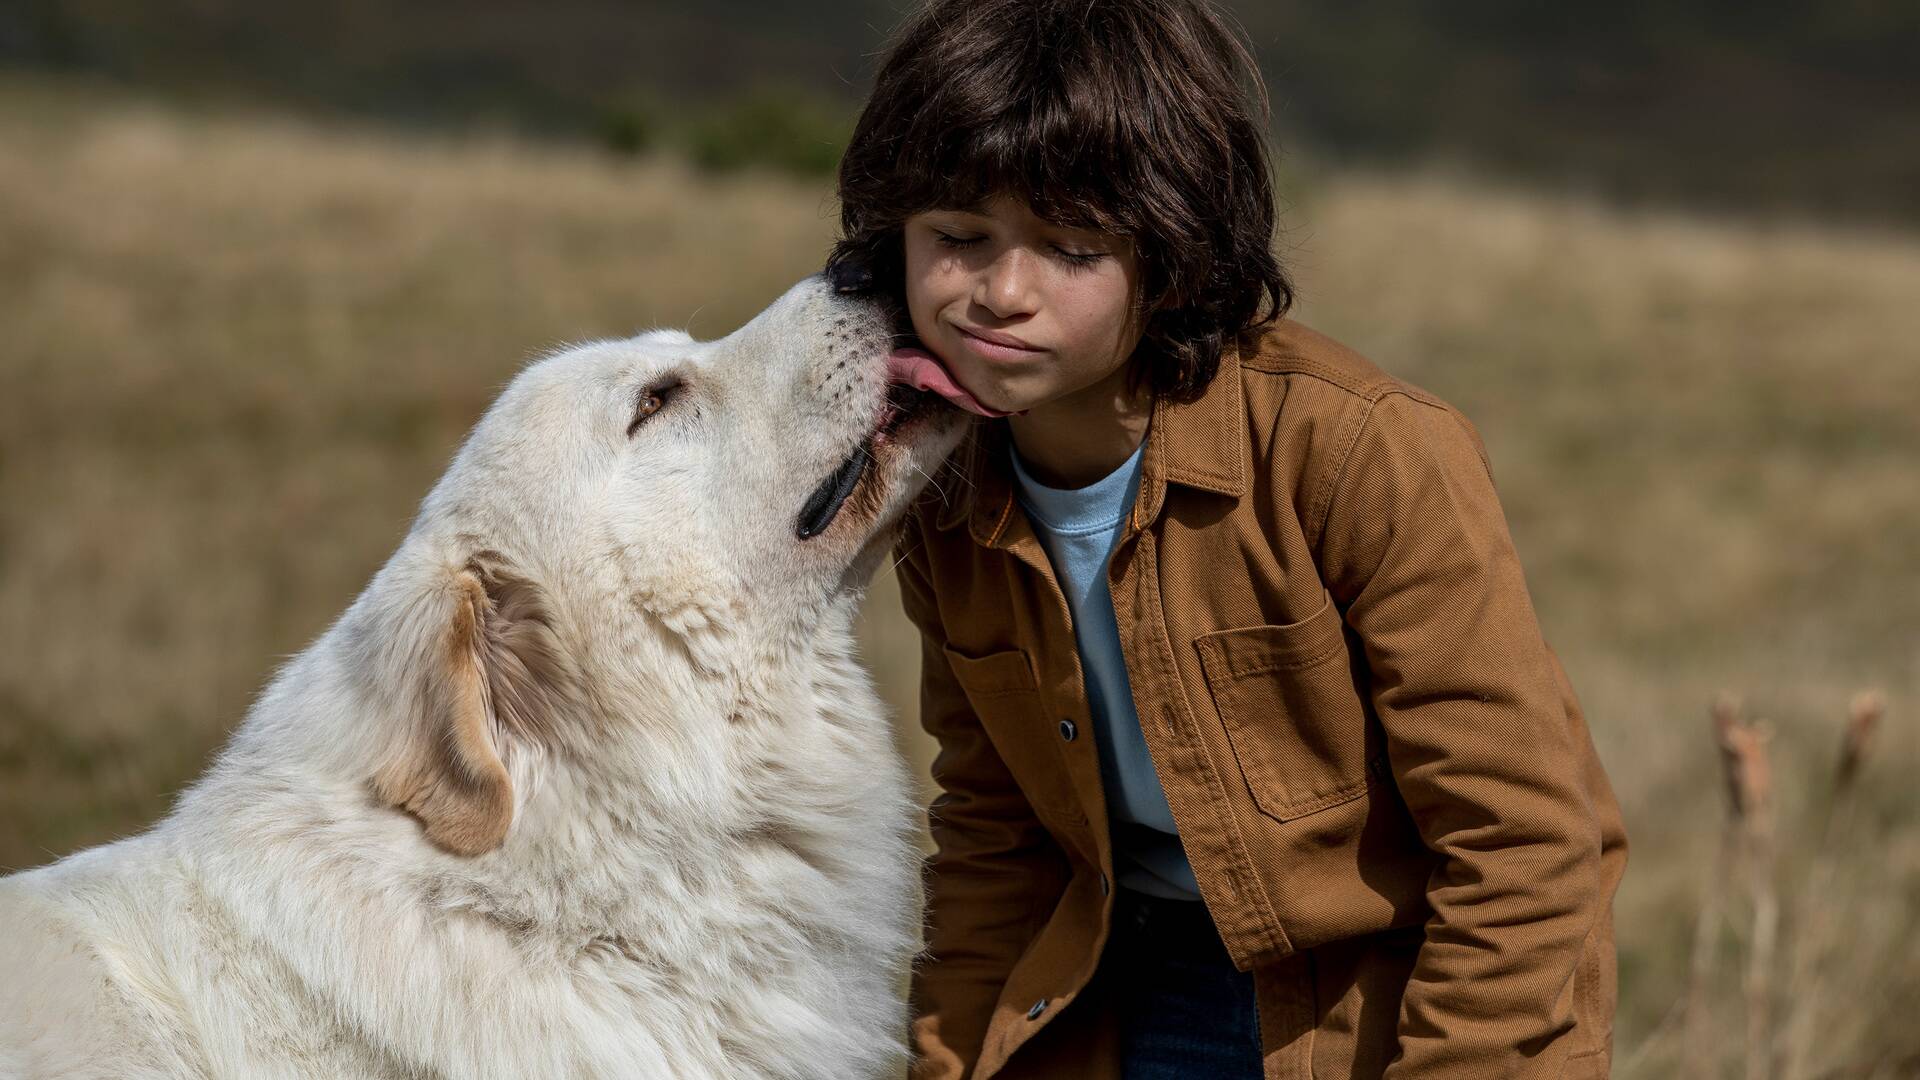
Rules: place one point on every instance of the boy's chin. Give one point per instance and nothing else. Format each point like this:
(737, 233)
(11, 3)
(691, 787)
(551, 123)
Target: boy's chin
(1007, 397)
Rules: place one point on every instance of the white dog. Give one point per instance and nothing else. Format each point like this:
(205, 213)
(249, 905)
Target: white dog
(586, 783)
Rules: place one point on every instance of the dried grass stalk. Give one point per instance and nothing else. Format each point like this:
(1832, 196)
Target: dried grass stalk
(1747, 839)
(1815, 920)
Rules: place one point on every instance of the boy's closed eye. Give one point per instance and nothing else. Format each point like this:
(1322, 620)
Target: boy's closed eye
(1072, 255)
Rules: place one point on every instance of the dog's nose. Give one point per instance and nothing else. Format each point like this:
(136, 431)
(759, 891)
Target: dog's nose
(850, 276)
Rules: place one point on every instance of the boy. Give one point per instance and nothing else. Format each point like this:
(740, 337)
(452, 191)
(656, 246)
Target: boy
(1254, 761)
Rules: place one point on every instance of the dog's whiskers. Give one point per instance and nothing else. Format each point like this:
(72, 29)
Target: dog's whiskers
(957, 473)
(898, 561)
(931, 482)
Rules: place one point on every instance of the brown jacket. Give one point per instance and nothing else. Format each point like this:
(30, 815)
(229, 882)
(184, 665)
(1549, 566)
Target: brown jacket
(1379, 771)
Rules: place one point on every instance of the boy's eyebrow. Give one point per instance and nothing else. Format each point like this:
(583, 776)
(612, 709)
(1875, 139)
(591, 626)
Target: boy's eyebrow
(978, 208)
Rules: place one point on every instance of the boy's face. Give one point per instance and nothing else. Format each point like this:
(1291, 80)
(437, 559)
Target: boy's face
(1022, 312)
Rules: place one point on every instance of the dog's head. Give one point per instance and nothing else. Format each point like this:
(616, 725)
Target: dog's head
(621, 505)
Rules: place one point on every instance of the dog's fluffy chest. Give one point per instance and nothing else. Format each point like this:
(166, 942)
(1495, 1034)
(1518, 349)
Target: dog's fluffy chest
(757, 926)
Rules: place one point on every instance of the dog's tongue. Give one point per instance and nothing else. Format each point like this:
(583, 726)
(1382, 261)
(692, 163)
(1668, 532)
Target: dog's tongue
(918, 369)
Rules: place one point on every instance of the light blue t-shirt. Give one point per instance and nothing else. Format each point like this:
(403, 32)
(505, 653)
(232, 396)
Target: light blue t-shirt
(1078, 527)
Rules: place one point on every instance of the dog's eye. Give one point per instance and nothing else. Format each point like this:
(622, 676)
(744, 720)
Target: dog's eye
(652, 400)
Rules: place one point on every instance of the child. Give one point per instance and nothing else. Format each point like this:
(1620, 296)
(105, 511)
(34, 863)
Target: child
(1254, 762)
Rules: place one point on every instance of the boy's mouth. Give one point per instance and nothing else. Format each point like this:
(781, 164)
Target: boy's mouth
(920, 369)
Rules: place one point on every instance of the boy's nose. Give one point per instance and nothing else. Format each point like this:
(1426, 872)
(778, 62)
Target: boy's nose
(1005, 286)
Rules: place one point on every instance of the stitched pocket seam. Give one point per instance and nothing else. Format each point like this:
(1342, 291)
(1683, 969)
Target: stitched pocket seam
(1284, 665)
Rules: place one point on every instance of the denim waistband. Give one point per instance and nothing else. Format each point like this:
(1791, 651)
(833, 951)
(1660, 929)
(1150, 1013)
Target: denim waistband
(1140, 913)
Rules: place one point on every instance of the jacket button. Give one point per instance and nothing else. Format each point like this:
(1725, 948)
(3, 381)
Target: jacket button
(1067, 730)
(1038, 1008)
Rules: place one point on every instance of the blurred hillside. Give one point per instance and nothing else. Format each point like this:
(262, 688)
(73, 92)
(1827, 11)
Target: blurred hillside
(1768, 105)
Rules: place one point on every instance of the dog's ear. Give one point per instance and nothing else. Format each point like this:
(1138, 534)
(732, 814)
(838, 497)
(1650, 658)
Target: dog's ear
(489, 689)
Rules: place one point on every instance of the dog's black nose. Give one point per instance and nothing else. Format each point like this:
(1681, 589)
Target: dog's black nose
(850, 276)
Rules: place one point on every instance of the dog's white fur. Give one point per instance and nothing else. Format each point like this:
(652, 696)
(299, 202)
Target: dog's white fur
(587, 782)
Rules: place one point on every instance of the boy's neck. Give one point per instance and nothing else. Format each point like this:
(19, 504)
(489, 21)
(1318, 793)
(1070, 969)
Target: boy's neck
(1079, 438)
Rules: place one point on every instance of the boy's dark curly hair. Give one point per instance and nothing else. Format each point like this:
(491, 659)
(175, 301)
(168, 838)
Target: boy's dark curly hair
(1143, 118)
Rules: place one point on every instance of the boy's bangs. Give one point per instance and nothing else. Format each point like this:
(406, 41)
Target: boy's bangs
(1062, 165)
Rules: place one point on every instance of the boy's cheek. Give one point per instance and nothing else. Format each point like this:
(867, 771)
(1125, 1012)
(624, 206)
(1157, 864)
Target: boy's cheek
(960, 365)
(923, 310)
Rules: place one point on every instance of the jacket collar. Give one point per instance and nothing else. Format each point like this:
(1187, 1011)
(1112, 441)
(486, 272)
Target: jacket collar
(1199, 444)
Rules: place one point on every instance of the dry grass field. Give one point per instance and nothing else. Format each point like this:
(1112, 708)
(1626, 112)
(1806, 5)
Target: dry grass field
(235, 352)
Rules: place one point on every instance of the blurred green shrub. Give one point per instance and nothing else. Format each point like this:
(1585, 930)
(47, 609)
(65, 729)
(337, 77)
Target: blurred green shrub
(781, 128)
(627, 128)
(777, 128)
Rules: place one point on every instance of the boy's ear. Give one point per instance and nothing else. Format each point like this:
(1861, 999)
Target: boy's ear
(491, 677)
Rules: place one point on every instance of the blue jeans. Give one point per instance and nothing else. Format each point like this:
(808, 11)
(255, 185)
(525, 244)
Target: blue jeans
(1185, 1012)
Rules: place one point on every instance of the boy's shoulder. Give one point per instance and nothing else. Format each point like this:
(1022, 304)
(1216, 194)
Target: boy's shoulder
(1288, 347)
(1310, 397)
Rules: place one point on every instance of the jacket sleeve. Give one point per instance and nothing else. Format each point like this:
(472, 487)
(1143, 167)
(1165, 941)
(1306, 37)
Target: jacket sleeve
(1479, 739)
(995, 871)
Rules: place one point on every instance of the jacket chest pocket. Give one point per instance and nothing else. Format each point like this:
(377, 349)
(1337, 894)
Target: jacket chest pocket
(1287, 698)
(1006, 697)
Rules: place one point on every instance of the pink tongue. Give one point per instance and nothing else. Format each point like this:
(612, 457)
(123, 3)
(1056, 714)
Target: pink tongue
(918, 369)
